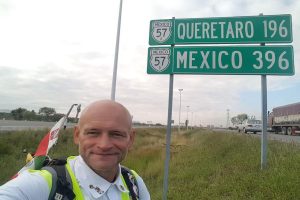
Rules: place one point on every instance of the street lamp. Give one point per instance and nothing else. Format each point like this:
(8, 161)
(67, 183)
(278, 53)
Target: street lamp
(180, 90)
(192, 120)
(187, 117)
(114, 80)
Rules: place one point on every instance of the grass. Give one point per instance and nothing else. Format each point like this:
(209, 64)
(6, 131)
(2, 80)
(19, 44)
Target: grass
(204, 164)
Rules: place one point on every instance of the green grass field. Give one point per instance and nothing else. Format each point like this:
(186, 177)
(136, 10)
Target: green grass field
(204, 164)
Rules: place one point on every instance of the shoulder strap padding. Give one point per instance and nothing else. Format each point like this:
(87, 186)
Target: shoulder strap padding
(131, 182)
(61, 181)
(54, 181)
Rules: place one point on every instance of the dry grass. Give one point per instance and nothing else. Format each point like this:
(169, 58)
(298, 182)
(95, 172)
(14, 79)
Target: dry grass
(203, 165)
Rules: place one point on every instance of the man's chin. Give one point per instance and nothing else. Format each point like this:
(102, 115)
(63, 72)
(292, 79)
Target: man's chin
(104, 165)
(104, 168)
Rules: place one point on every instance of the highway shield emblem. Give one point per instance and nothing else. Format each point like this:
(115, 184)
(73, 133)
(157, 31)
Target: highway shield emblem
(160, 58)
(161, 30)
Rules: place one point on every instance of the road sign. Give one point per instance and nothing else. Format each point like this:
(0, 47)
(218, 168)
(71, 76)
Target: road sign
(243, 60)
(253, 29)
(160, 60)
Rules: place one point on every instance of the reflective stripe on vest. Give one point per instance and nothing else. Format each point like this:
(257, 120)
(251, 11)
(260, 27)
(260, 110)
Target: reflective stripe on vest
(76, 189)
(124, 195)
(44, 173)
(75, 186)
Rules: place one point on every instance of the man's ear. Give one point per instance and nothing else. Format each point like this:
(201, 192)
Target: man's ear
(132, 137)
(76, 134)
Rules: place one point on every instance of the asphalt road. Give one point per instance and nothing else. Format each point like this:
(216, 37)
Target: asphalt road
(283, 138)
(13, 125)
(271, 135)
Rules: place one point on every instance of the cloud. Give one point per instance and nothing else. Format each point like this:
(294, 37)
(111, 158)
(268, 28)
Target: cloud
(57, 53)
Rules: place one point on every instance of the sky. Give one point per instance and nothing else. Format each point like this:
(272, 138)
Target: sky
(60, 52)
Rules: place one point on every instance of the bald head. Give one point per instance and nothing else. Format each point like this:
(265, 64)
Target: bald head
(105, 109)
(104, 135)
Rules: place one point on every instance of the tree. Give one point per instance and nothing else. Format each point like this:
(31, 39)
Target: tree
(239, 119)
(30, 115)
(242, 117)
(46, 111)
(252, 117)
(19, 113)
(234, 120)
(56, 117)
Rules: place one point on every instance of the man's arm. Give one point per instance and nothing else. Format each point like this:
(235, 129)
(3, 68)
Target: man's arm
(27, 186)
(143, 191)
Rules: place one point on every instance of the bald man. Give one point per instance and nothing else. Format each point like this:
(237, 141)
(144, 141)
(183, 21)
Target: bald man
(104, 134)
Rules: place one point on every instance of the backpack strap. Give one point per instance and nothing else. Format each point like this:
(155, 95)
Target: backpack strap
(131, 182)
(61, 181)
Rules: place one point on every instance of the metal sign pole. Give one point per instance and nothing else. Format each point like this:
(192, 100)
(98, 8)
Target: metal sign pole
(264, 118)
(168, 139)
(264, 136)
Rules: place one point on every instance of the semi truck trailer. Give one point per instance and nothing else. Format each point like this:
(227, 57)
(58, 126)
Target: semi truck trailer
(285, 119)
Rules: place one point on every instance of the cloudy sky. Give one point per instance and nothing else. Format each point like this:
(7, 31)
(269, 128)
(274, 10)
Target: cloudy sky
(59, 52)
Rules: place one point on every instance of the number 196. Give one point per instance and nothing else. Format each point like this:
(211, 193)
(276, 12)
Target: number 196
(271, 28)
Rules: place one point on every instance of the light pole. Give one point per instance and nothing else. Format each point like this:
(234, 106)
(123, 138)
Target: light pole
(227, 123)
(187, 117)
(180, 90)
(192, 123)
(114, 80)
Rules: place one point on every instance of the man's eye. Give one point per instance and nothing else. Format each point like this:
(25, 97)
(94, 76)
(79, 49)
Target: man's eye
(117, 134)
(92, 133)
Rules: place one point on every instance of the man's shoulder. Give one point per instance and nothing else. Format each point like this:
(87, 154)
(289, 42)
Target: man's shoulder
(136, 182)
(30, 184)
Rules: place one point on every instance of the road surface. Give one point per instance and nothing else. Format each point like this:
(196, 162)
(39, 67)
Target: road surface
(271, 135)
(13, 125)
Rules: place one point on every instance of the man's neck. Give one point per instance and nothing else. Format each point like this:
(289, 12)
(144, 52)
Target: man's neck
(109, 175)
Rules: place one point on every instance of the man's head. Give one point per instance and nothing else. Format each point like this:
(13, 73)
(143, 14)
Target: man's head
(104, 135)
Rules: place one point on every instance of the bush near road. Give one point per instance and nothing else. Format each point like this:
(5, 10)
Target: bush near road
(204, 164)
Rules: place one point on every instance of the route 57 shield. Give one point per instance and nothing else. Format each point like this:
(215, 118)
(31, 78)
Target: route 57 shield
(159, 61)
(160, 32)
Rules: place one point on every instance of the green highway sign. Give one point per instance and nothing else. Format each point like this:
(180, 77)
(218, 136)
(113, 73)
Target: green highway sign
(253, 29)
(226, 60)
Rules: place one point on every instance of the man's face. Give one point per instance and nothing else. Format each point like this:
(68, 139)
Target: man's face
(104, 138)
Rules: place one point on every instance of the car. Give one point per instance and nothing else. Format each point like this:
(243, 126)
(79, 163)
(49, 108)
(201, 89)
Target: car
(251, 125)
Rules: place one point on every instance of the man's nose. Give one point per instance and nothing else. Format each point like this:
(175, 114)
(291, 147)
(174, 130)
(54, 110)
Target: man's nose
(104, 141)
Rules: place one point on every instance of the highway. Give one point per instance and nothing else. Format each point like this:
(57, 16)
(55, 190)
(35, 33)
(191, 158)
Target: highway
(13, 125)
(283, 138)
(271, 135)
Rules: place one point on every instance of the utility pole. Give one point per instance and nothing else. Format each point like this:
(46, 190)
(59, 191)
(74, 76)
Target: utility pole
(192, 124)
(228, 123)
(187, 117)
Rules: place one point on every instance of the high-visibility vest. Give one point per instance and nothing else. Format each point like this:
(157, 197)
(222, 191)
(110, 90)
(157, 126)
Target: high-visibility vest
(47, 175)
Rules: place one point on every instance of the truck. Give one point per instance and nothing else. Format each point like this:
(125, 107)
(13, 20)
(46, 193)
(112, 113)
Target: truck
(285, 119)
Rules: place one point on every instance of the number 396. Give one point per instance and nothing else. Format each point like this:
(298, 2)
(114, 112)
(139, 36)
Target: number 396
(270, 58)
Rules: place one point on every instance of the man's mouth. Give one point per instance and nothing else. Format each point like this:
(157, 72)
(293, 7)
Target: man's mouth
(104, 154)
